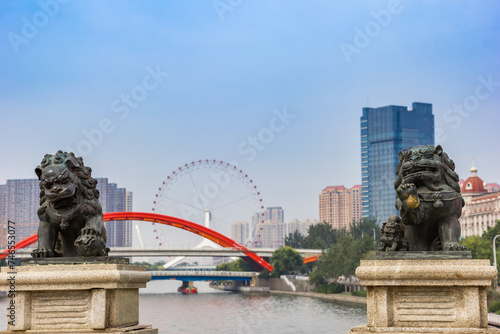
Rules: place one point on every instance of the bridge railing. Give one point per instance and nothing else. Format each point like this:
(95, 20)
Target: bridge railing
(494, 319)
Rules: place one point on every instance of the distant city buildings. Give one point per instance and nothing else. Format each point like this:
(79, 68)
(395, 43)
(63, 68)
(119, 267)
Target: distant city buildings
(301, 226)
(270, 231)
(492, 187)
(114, 199)
(339, 206)
(482, 207)
(385, 131)
(239, 232)
(20, 200)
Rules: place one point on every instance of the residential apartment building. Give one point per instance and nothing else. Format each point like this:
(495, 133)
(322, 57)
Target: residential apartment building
(339, 206)
(239, 232)
(301, 226)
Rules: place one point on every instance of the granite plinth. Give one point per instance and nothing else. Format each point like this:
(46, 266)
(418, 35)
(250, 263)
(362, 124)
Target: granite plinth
(426, 296)
(101, 296)
(75, 260)
(424, 255)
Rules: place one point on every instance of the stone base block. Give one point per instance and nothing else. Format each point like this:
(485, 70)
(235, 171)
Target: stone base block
(410, 330)
(139, 329)
(426, 296)
(74, 298)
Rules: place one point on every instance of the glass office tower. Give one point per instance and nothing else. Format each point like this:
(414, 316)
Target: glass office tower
(385, 131)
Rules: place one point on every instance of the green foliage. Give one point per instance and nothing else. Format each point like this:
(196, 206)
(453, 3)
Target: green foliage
(158, 266)
(294, 240)
(366, 228)
(320, 236)
(330, 288)
(343, 257)
(238, 265)
(494, 307)
(482, 247)
(359, 293)
(492, 295)
(265, 274)
(479, 247)
(286, 260)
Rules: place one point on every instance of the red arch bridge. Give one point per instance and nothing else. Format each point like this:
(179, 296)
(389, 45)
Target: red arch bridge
(203, 231)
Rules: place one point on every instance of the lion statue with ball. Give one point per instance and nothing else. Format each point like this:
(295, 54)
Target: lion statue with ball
(428, 199)
(70, 214)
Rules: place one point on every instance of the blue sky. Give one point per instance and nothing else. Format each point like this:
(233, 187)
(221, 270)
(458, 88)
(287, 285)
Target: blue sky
(224, 69)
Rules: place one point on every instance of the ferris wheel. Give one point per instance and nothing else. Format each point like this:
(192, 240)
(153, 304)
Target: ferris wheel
(209, 192)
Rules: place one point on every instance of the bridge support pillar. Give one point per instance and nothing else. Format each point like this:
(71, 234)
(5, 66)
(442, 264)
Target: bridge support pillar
(187, 288)
(75, 295)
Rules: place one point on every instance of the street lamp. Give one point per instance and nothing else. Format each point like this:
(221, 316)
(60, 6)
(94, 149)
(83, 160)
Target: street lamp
(495, 258)
(374, 239)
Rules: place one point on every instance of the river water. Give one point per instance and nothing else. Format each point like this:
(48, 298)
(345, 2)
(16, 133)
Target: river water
(213, 311)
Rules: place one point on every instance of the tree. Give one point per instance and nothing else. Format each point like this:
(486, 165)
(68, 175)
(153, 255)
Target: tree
(365, 227)
(238, 265)
(286, 260)
(320, 236)
(294, 240)
(341, 258)
(482, 247)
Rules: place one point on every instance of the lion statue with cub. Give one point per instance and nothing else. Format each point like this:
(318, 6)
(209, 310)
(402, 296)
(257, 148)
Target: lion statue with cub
(428, 199)
(70, 214)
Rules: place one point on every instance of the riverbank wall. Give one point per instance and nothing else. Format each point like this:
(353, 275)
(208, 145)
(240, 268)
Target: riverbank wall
(336, 296)
(285, 284)
(300, 287)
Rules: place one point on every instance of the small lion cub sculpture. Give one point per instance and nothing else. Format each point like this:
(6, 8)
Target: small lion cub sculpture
(70, 214)
(392, 236)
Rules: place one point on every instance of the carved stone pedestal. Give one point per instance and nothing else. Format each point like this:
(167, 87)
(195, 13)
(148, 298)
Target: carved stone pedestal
(426, 296)
(58, 296)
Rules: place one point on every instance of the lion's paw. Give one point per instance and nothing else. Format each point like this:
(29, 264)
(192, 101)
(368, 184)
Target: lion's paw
(408, 195)
(90, 243)
(42, 253)
(453, 247)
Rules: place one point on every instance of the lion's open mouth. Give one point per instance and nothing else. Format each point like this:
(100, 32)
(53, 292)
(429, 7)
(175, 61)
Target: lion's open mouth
(420, 170)
(65, 204)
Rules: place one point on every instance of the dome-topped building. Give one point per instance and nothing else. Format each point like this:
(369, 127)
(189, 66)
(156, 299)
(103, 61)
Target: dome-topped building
(474, 184)
(482, 208)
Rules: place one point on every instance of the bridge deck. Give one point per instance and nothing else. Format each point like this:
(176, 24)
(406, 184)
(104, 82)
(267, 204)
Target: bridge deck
(200, 275)
(223, 252)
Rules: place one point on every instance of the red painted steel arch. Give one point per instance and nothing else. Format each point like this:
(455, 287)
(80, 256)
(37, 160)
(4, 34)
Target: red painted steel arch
(205, 232)
(311, 259)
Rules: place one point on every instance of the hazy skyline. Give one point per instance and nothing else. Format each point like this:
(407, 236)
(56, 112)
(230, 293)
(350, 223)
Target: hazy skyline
(141, 88)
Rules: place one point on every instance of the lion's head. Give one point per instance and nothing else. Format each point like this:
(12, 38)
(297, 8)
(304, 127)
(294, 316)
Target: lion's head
(426, 166)
(64, 179)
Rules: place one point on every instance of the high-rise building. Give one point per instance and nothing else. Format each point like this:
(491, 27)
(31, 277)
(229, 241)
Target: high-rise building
(269, 232)
(19, 203)
(339, 206)
(272, 234)
(301, 226)
(274, 214)
(239, 232)
(20, 200)
(114, 199)
(386, 131)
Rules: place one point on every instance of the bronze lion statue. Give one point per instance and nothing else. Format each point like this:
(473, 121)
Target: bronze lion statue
(70, 214)
(392, 235)
(428, 199)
